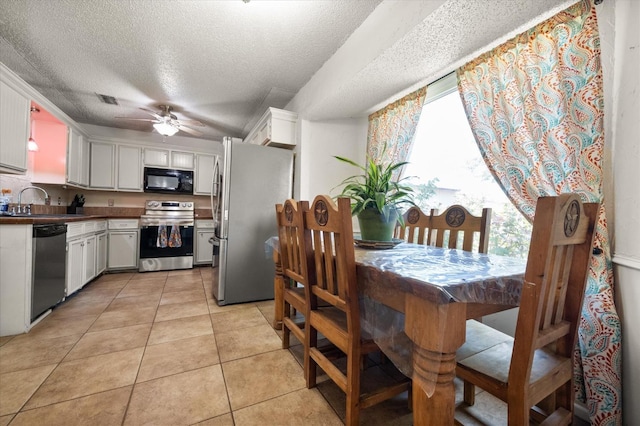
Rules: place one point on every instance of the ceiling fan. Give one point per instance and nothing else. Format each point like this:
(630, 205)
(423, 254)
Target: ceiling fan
(166, 123)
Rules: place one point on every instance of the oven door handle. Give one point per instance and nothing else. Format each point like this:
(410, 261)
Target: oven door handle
(173, 222)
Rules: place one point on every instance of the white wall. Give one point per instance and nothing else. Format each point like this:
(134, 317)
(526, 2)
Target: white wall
(321, 140)
(620, 41)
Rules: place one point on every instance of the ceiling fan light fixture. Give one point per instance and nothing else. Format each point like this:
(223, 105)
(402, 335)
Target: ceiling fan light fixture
(166, 129)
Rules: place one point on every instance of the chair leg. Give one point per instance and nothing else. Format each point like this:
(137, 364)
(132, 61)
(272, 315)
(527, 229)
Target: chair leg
(353, 390)
(469, 393)
(285, 330)
(518, 412)
(310, 366)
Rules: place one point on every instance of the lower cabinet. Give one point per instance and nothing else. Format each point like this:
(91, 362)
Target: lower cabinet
(101, 253)
(204, 242)
(123, 244)
(89, 269)
(84, 257)
(75, 265)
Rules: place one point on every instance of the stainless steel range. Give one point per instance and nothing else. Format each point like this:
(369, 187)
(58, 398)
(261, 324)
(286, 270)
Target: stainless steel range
(166, 236)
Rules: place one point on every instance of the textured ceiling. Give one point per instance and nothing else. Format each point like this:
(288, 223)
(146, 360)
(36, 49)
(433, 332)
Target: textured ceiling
(224, 62)
(220, 62)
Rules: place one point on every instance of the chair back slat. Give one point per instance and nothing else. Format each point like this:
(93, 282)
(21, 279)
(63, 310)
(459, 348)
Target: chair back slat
(416, 226)
(555, 280)
(291, 239)
(456, 224)
(332, 233)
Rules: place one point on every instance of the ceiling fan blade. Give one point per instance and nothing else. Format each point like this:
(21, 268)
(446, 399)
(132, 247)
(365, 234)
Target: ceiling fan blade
(152, 113)
(191, 123)
(190, 131)
(136, 119)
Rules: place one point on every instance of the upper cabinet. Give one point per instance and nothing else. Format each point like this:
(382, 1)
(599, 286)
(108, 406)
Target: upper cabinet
(204, 174)
(14, 130)
(154, 157)
(102, 165)
(77, 158)
(129, 168)
(276, 127)
(182, 160)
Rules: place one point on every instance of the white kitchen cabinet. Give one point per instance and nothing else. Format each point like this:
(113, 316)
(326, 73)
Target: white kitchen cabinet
(82, 253)
(276, 127)
(89, 269)
(16, 269)
(204, 231)
(77, 158)
(204, 174)
(123, 244)
(14, 130)
(75, 265)
(182, 160)
(129, 168)
(156, 157)
(102, 165)
(101, 252)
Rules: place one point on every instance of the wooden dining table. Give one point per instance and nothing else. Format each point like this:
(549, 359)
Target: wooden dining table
(415, 301)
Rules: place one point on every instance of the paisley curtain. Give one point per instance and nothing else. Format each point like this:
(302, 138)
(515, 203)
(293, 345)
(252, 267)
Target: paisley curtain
(535, 106)
(391, 129)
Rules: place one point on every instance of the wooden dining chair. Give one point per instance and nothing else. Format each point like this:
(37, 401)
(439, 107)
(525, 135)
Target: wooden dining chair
(294, 252)
(332, 279)
(533, 372)
(416, 226)
(456, 220)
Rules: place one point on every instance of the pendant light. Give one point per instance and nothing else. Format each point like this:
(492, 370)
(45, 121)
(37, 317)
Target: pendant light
(31, 144)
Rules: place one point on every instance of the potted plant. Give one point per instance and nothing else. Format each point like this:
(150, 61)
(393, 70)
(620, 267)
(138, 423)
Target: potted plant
(376, 198)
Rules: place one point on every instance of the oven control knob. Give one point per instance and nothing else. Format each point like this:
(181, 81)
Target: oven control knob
(189, 204)
(153, 204)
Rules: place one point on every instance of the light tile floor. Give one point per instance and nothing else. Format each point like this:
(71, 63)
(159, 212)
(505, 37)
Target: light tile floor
(154, 348)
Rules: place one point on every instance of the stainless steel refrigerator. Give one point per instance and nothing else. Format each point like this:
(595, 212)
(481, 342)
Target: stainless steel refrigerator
(249, 181)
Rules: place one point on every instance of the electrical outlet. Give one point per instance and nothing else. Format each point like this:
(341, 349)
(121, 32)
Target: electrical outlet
(110, 202)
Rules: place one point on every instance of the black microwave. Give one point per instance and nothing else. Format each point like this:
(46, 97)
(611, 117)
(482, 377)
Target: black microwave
(168, 181)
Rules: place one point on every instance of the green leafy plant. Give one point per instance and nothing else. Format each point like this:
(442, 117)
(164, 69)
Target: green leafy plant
(375, 188)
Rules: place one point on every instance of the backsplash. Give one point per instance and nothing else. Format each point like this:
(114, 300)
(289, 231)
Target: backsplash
(63, 195)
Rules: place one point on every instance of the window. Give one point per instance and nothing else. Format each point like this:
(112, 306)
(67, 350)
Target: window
(446, 168)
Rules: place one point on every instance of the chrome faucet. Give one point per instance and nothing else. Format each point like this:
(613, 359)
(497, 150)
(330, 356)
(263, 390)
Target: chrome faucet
(46, 196)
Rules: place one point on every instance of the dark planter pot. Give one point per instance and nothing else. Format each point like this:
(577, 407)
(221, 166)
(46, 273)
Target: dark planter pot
(375, 227)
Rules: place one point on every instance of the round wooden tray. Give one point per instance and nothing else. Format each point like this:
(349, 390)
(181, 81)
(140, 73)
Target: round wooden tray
(377, 245)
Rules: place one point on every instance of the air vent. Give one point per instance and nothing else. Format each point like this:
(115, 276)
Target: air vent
(107, 99)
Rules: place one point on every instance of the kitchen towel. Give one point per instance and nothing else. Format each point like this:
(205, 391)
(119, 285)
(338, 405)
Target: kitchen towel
(162, 236)
(174, 238)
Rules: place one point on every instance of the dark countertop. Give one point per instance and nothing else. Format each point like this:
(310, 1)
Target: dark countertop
(55, 218)
(56, 214)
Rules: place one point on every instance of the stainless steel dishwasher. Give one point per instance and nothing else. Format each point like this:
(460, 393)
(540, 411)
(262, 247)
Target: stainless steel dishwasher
(49, 267)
